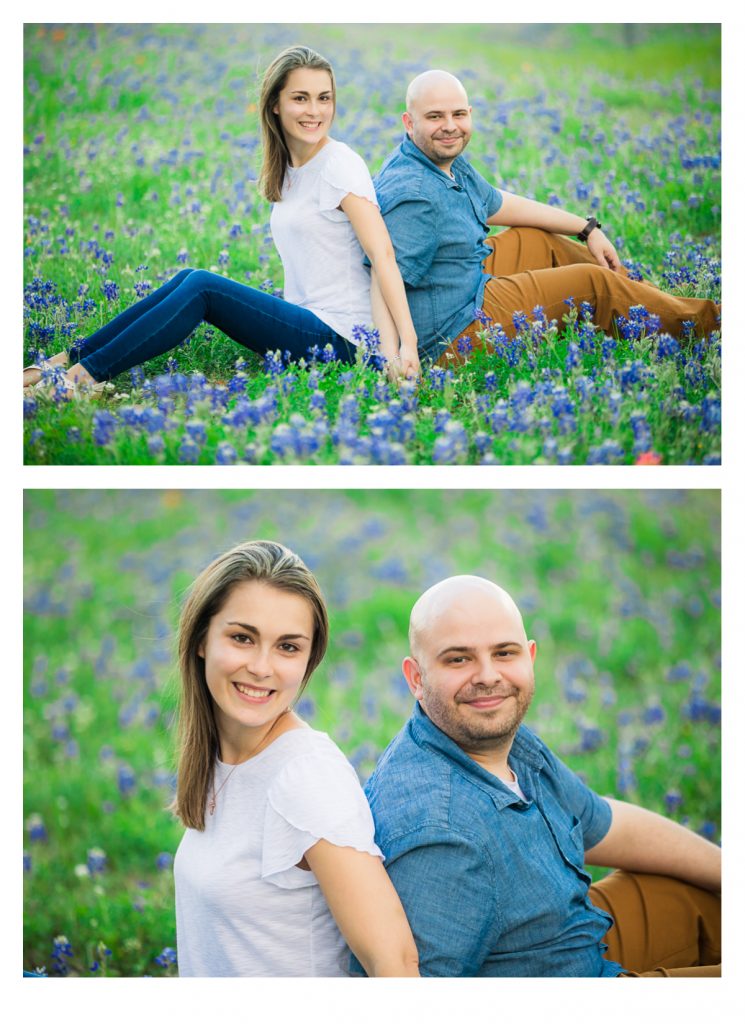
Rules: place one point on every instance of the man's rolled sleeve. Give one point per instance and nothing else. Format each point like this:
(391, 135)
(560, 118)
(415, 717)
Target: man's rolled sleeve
(447, 885)
(494, 202)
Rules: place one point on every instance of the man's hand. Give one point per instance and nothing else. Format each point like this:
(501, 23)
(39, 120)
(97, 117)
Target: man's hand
(602, 250)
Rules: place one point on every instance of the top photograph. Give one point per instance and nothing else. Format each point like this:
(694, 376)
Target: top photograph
(372, 244)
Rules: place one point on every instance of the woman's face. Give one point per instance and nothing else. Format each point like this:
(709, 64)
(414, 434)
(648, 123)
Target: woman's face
(305, 106)
(255, 655)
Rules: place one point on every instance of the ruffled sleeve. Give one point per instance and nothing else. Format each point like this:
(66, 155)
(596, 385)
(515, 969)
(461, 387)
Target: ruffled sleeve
(315, 796)
(344, 172)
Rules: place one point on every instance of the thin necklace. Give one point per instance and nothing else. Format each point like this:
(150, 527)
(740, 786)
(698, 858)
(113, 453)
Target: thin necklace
(213, 801)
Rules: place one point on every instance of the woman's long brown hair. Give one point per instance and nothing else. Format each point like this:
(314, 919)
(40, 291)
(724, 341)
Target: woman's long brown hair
(275, 155)
(260, 560)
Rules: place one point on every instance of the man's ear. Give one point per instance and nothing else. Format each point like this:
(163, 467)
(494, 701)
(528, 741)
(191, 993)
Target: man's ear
(532, 649)
(408, 122)
(413, 676)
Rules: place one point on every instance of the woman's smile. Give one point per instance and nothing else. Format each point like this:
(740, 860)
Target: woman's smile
(253, 694)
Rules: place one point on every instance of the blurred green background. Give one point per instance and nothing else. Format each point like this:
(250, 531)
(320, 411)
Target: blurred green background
(621, 590)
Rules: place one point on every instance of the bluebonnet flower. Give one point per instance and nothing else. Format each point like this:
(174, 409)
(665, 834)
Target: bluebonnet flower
(188, 451)
(653, 713)
(126, 780)
(104, 425)
(156, 445)
(673, 800)
(608, 453)
(679, 672)
(196, 430)
(37, 832)
(166, 958)
(110, 290)
(96, 861)
(226, 454)
(61, 953)
(625, 775)
(436, 377)
(452, 445)
(164, 861)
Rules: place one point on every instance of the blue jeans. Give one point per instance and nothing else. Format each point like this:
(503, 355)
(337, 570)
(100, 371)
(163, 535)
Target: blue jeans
(167, 316)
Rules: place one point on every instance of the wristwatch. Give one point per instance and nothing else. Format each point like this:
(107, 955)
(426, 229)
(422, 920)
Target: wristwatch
(589, 226)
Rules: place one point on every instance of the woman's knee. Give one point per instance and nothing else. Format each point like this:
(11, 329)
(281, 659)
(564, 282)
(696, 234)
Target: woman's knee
(199, 280)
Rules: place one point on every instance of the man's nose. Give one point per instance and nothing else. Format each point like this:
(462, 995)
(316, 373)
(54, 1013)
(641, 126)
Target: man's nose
(488, 671)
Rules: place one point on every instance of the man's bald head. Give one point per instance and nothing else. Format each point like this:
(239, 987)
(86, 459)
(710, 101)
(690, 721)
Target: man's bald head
(471, 663)
(438, 117)
(452, 597)
(431, 84)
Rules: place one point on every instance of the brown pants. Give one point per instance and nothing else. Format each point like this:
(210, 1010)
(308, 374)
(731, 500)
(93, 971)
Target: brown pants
(532, 268)
(663, 927)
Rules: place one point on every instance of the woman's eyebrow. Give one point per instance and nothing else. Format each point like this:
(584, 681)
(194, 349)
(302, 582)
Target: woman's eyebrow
(252, 629)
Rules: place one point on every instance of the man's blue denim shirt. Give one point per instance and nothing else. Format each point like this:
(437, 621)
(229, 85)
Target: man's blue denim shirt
(437, 225)
(491, 885)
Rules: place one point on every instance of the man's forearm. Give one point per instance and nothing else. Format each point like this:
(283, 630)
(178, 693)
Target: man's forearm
(519, 212)
(640, 840)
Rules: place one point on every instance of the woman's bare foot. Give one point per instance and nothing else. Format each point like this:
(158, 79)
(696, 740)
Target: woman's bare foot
(32, 374)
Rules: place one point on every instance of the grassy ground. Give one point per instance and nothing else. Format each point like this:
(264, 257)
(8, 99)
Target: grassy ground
(620, 589)
(141, 154)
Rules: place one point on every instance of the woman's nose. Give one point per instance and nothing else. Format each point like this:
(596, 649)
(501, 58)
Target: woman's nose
(258, 664)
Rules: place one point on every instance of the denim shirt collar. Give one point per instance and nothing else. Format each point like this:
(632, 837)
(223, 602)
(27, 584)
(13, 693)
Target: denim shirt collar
(411, 150)
(525, 753)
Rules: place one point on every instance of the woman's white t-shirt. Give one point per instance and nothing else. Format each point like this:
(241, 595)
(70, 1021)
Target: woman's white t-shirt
(243, 908)
(320, 253)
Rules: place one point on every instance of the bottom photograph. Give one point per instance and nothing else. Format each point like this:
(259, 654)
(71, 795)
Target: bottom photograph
(369, 733)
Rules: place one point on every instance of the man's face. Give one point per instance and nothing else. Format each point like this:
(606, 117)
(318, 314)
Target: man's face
(439, 121)
(472, 670)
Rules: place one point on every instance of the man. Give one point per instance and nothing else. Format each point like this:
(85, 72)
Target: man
(438, 211)
(486, 832)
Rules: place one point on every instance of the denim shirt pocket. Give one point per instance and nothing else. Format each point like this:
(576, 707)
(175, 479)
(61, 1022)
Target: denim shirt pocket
(574, 847)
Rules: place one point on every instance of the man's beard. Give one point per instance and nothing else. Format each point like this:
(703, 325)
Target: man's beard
(480, 729)
(429, 147)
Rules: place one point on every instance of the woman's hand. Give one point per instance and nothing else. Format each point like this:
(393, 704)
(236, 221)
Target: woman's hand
(404, 365)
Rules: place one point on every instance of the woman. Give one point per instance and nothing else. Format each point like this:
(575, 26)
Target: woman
(278, 871)
(324, 215)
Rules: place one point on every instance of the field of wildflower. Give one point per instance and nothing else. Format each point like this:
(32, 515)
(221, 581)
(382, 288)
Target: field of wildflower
(621, 590)
(141, 153)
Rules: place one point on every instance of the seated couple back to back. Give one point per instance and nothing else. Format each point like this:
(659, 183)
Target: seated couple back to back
(468, 860)
(409, 255)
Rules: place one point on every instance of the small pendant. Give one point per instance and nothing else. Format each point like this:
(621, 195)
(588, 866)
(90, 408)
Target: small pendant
(212, 806)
